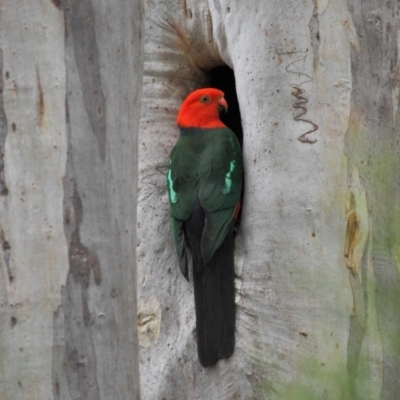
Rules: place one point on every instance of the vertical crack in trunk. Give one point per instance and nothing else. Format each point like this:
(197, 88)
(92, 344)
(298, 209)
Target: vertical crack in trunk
(3, 130)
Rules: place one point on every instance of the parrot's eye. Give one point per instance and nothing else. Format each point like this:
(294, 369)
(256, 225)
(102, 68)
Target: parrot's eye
(204, 99)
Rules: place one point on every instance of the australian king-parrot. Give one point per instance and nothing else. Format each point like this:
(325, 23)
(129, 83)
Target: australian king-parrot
(204, 180)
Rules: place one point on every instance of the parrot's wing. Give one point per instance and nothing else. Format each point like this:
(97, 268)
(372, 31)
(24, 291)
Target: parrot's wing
(181, 184)
(220, 186)
(215, 178)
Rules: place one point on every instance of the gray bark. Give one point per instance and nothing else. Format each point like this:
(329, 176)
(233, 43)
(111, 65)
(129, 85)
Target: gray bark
(71, 76)
(317, 256)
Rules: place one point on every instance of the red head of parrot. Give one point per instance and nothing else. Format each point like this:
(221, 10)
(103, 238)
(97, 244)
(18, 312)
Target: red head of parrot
(202, 109)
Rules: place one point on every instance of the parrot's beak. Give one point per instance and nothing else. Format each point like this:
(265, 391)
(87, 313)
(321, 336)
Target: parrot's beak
(222, 106)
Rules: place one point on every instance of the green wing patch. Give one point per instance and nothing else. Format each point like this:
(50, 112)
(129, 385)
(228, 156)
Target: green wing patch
(228, 178)
(173, 196)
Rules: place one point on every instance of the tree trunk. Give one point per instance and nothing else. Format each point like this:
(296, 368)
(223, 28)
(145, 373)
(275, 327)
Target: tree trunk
(317, 256)
(69, 107)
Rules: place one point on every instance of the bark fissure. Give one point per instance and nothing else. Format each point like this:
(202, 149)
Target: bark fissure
(6, 250)
(40, 102)
(315, 34)
(3, 130)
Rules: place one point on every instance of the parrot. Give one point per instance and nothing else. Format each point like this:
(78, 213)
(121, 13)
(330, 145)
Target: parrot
(204, 183)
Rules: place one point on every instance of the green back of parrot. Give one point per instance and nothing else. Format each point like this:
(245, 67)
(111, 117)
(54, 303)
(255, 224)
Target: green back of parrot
(204, 164)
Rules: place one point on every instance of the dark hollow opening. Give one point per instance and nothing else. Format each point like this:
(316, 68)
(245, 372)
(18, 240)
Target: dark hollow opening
(223, 78)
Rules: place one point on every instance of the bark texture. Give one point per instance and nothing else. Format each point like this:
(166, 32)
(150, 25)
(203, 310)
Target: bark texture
(69, 105)
(316, 259)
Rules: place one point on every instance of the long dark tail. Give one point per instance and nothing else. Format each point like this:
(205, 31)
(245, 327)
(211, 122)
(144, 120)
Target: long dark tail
(214, 294)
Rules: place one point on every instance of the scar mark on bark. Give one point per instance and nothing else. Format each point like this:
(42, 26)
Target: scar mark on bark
(6, 249)
(58, 3)
(209, 22)
(187, 10)
(41, 105)
(301, 100)
(82, 260)
(13, 322)
(313, 26)
(3, 131)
